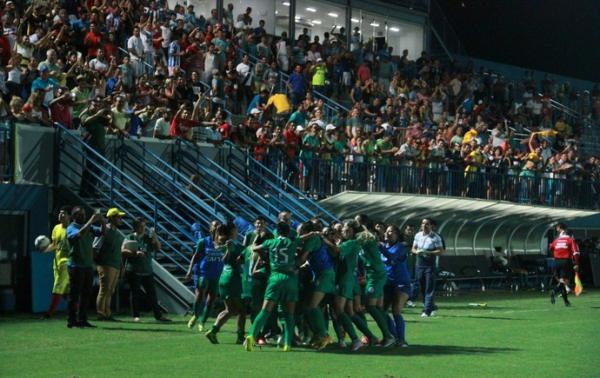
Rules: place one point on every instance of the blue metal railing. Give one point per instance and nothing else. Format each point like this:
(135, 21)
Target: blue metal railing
(331, 106)
(243, 198)
(175, 184)
(326, 177)
(116, 188)
(6, 151)
(274, 184)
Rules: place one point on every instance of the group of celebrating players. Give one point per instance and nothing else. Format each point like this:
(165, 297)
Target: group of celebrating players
(304, 277)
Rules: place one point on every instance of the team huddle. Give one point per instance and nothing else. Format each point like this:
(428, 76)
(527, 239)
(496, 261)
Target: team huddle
(305, 277)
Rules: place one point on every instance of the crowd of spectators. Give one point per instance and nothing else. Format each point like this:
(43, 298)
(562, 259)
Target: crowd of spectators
(138, 68)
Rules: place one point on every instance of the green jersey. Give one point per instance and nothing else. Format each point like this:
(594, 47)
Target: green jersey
(109, 248)
(312, 245)
(141, 265)
(97, 139)
(231, 265)
(382, 145)
(349, 251)
(371, 256)
(282, 254)
(309, 141)
(80, 246)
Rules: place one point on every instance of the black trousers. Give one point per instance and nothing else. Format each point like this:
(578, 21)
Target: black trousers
(81, 281)
(136, 282)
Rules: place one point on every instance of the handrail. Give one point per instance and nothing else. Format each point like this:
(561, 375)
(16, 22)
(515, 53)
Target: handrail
(260, 202)
(116, 177)
(185, 179)
(296, 192)
(137, 58)
(284, 75)
(164, 189)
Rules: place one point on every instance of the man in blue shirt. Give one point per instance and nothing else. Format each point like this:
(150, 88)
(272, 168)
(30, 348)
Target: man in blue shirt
(258, 102)
(81, 265)
(297, 85)
(45, 84)
(427, 245)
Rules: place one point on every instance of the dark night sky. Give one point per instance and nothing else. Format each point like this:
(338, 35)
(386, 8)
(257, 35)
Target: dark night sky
(557, 36)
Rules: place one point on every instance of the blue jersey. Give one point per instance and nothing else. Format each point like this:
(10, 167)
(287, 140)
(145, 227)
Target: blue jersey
(320, 260)
(210, 264)
(394, 258)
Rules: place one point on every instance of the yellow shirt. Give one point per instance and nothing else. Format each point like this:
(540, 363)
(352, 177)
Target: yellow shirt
(281, 103)
(469, 135)
(59, 237)
(547, 133)
(477, 159)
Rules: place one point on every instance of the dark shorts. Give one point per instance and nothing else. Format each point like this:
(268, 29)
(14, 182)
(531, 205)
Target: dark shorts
(563, 268)
(393, 287)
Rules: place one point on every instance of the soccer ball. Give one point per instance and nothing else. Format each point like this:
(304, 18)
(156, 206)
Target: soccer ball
(41, 242)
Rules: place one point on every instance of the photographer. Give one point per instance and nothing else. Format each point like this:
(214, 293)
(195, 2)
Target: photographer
(139, 249)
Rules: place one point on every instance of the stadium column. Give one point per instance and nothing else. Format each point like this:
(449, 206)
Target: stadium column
(348, 23)
(292, 23)
(220, 10)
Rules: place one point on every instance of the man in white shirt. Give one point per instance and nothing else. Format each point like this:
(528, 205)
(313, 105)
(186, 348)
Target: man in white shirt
(135, 47)
(427, 245)
(245, 80)
(99, 64)
(146, 37)
(211, 62)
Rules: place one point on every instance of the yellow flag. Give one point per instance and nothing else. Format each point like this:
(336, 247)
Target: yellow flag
(578, 285)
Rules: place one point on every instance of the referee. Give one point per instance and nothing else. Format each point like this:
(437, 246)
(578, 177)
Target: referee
(566, 256)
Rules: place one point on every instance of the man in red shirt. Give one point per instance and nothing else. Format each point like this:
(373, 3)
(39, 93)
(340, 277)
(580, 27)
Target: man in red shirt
(92, 40)
(566, 256)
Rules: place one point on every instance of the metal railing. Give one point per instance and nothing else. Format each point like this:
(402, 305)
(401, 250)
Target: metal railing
(6, 151)
(331, 107)
(324, 178)
(234, 192)
(79, 164)
(276, 177)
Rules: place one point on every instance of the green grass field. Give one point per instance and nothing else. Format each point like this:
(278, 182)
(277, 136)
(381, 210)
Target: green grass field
(520, 335)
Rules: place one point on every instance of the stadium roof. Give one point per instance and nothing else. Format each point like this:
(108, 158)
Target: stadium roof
(470, 226)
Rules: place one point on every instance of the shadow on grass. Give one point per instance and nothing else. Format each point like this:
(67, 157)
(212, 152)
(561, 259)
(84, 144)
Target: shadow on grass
(477, 317)
(142, 329)
(467, 307)
(424, 350)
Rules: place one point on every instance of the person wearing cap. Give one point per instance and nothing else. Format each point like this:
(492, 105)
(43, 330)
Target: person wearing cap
(46, 84)
(81, 95)
(107, 250)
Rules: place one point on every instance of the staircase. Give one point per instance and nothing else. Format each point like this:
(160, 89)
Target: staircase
(271, 181)
(141, 190)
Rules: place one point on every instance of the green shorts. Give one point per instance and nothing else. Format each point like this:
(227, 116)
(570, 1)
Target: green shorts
(230, 287)
(282, 287)
(346, 287)
(375, 284)
(210, 284)
(325, 282)
(247, 283)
